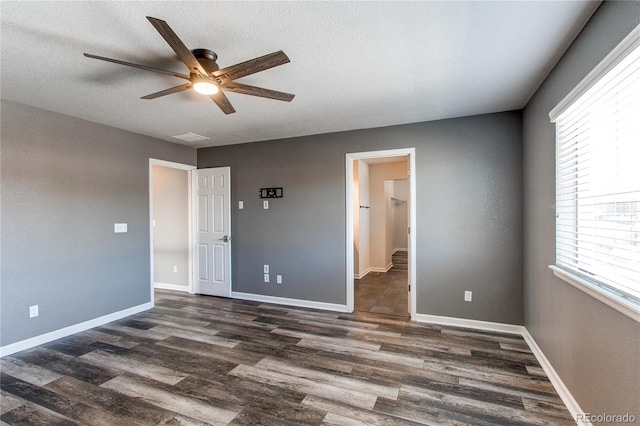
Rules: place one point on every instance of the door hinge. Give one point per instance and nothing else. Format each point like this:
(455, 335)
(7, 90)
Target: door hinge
(409, 230)
(409, 289)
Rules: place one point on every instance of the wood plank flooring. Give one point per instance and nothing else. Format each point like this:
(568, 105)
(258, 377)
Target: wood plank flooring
(195, 360)
(382, 293)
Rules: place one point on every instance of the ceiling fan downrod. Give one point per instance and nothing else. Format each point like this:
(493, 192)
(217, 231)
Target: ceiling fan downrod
(207, 58)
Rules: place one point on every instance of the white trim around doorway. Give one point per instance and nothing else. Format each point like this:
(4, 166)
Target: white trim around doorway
(171, 165)
(350, 158)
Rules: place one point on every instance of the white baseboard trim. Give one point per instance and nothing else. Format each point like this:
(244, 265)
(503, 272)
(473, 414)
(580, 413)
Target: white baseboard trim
(72, 329)
(362, 274)
(558, 384)
(289, 302)
(568, 399)
(377, 269)
(399, 249)
(468, 323)
(176, 287)
(564, 393)
(372, 269)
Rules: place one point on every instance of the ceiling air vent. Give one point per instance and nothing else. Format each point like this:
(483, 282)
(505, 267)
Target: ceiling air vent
(190, 137)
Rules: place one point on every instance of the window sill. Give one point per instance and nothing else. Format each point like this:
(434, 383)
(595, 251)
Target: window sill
(608, 299)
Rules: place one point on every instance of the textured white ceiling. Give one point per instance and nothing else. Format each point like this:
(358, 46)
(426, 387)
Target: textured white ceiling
(353, 64)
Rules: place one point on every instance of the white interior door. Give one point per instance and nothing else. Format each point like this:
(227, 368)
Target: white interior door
(212, 231)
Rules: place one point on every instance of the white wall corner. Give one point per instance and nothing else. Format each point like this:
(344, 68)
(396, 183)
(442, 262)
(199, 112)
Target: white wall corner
(381, 270)
(362, 274)
(564, 393)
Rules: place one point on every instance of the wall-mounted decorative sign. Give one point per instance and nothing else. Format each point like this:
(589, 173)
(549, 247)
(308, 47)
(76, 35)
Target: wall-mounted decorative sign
(271, 192)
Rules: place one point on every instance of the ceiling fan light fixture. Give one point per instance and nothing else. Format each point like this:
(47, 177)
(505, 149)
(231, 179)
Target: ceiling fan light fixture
(205, 86)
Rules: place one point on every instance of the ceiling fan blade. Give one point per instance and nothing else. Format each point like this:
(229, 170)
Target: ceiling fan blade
(177, 45)
(142, 67)
(223, 102)
(252, 66)
(245, 89)
(170, 91)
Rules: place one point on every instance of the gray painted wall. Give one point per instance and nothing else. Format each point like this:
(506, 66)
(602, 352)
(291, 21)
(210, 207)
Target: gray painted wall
(171, 226)
(594, 348)
(469, 210)
(65, 182)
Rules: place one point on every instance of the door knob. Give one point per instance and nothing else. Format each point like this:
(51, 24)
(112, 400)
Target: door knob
(226, 238)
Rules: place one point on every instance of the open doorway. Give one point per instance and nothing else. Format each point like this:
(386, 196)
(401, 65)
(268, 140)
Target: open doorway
(380, 246)
(170, 225)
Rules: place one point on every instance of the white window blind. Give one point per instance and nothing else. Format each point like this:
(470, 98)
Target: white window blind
(598, 177)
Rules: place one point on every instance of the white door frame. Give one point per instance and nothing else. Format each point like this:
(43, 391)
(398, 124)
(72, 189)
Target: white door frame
(171, 165)
(411, 279)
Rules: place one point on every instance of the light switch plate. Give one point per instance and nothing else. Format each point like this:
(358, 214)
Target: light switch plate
(266, 278)
(265, 204)
(33, 311)
(241, 205)
(278, 279)
(467, 296)
(265, 269)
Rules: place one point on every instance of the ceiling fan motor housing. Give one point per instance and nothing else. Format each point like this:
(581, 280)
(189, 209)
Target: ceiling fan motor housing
(207, 59)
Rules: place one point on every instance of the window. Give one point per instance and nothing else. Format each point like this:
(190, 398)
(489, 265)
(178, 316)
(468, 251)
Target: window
(598, 178)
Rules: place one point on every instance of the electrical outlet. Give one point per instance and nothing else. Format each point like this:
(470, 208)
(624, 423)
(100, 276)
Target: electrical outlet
(266, 278)
(468, 296)
(279, 279)
(33, 311)
(266, 269)
(119, 227)
(175, 268)
(241, 205)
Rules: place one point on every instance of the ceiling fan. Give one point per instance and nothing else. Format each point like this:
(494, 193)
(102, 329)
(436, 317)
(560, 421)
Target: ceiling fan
(205, 76)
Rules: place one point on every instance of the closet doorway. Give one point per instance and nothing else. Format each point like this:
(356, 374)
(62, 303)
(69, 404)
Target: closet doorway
(380, 247)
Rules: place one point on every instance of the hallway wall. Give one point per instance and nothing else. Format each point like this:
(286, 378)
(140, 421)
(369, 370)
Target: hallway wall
(381, 225)
(400, 214)
(362, 256)
(171, 226)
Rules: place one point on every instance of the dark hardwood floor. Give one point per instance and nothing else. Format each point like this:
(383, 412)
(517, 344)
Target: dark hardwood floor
(195, 360)
(384, 293)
